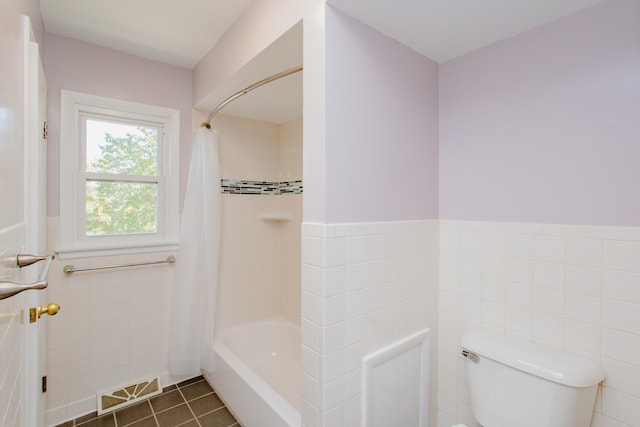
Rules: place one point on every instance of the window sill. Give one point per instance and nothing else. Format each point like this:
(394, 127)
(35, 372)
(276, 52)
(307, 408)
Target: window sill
(92, 251)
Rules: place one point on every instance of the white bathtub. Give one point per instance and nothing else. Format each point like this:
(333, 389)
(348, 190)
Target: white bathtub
(257, 372)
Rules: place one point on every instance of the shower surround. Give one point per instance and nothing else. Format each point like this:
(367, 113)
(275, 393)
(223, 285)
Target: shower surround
(260, 258)
(259, 279)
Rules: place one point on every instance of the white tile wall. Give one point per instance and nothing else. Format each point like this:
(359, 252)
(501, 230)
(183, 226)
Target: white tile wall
(12, 335)
(112, 329)
(572, 287)
(364, 286)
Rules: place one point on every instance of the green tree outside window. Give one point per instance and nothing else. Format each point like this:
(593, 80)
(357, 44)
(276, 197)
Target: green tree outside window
(119, 200)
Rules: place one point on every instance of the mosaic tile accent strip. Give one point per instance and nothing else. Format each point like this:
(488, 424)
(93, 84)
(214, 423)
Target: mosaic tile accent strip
(231, 186)
(291, 187)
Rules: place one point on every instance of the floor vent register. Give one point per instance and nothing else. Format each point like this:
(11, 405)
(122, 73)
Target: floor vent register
(128, 395)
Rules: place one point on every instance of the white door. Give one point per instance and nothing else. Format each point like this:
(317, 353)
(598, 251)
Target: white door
(35, 205)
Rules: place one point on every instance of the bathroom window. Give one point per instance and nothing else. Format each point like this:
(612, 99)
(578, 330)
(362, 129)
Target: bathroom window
(119, 176)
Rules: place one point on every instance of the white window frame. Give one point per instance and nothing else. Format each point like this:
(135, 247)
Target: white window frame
(73, 241)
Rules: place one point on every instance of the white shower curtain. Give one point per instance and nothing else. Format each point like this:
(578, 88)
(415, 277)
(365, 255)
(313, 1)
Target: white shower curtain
(194, 294)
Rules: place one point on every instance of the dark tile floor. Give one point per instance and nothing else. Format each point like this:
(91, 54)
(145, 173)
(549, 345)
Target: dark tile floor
(192, 403)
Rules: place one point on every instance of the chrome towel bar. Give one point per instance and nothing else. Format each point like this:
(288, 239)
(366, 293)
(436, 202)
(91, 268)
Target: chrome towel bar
(9, 289)
(68, 269)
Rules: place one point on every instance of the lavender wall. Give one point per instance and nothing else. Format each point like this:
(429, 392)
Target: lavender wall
(82, 67)
(545, 126)
(381, 126)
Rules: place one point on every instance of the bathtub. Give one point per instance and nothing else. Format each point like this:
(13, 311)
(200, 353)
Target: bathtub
(257, 372)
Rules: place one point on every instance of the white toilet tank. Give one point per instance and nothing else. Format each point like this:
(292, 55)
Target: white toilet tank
(515, 383)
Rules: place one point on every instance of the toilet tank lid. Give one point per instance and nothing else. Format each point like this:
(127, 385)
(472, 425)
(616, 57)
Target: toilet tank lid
(536, 359)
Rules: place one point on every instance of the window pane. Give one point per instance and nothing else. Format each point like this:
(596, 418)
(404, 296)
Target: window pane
(121, 148)
(121, 208)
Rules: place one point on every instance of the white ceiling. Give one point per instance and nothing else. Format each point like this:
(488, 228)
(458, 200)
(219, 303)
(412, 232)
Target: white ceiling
(182, 32)
(445, 29)
(175, 32)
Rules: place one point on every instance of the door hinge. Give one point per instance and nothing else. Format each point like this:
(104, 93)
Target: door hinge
(44, 384)
(45, 130)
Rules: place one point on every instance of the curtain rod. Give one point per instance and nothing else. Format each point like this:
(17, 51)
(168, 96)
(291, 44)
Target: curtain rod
(207, 123)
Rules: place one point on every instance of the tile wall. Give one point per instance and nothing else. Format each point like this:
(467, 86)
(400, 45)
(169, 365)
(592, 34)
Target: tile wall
(576, 288)
(12, 334)
(364, 286)
(112, 328)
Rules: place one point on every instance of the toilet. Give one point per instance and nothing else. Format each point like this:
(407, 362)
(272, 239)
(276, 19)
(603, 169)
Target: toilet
(513, 382)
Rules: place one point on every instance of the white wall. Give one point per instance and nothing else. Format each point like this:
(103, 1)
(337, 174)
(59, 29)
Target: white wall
(12, 229)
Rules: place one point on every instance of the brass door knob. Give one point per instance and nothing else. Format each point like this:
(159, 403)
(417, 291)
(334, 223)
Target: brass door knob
(51, 309)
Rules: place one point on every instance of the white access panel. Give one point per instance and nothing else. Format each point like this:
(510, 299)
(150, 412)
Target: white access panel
(395, 384)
